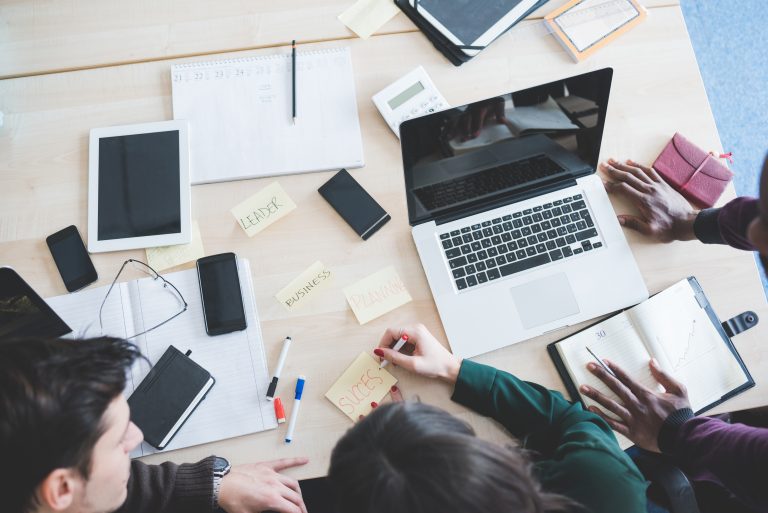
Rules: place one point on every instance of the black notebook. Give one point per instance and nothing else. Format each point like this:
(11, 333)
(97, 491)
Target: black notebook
(460, 29)
(167, 396)
(679, 328)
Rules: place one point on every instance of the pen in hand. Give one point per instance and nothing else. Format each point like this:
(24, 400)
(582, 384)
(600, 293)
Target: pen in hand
(602, 364)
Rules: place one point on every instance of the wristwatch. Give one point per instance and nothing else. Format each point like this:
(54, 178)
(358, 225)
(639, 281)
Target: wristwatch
(221, 468)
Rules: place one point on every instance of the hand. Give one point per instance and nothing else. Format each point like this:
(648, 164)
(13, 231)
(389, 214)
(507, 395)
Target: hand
(664, 214)
(259, 487)
(642, 411)
(430, 358)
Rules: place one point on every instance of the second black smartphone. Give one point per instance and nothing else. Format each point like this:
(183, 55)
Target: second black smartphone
(220, 291)
(354, 204)
(72, 259)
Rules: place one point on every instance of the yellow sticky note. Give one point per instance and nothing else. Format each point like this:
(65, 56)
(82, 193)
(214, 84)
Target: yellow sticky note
(165, 257)
(305, 286)
(262, 209)
(367, 16)
(377, 294)
(362, 383)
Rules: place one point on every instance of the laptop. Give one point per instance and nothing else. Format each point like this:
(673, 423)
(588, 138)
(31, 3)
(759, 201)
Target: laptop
(513, 226)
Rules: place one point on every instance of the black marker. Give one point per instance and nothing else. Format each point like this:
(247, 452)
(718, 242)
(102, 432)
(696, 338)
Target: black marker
(279, 369)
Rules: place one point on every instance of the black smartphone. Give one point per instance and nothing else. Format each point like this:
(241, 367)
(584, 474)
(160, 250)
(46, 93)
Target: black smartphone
(23, 313)
(354, 204)
(72, 259)
(220, 289)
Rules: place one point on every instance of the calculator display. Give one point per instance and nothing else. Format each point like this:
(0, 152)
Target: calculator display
(405, 95)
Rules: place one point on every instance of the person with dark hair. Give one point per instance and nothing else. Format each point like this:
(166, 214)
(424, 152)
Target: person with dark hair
(66, 436)
(411, 458)
(727, 463)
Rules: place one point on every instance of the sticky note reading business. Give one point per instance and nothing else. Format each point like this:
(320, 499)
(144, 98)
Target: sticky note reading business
(377, 294)
(263, 208)
(362, 383)
(306, 286)
(165, 257)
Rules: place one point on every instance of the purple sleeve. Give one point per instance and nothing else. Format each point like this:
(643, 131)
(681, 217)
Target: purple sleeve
(728, 224)
(734, 455)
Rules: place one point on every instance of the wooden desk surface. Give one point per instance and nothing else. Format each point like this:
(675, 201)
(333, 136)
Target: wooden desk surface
(78, 34)
(657, 90)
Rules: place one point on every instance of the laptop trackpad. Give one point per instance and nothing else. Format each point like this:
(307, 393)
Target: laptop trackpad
(541, 301)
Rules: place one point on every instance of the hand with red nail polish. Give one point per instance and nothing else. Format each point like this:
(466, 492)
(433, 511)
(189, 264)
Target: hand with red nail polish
(374, 404)
(396, 394)
(430, 358)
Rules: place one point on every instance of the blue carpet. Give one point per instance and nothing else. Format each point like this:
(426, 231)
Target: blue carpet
(729, 38)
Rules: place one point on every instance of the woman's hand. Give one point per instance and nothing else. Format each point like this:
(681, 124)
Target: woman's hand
(429, 357)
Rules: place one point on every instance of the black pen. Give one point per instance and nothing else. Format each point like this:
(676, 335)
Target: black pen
(609, 371)
(293, 75)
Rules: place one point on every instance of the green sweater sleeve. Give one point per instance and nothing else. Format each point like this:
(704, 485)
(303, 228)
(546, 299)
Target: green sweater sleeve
(577, 454)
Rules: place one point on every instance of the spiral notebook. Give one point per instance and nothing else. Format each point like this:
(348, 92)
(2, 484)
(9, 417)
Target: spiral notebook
(237, 404)
(240, 115)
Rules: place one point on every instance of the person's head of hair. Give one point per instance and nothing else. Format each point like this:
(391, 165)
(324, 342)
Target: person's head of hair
(758, 229)
(54, 396)
(414, 458)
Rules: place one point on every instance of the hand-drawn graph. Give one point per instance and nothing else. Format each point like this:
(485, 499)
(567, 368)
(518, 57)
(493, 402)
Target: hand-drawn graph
(681, 354)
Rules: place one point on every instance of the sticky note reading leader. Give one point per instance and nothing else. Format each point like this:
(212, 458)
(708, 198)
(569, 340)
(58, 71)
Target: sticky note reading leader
(262, 209)
(377, 294)
(366, 16)
(362, 383)
(165, 257)
(305, 286)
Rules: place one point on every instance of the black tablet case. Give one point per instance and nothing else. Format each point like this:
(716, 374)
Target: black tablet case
(165, 394)
(570, 386)
(446, 47)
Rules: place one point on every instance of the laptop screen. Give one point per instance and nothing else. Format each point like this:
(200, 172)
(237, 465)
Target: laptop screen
(470, 157)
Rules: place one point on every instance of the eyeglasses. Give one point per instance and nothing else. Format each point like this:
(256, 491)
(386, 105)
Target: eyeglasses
(167, 285)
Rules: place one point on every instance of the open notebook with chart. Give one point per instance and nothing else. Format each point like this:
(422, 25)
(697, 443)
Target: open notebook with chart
(237, 404)
(679, 328)
(240, 115)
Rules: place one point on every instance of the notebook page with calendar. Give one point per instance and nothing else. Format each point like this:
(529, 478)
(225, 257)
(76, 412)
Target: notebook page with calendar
(615, 339)
(240, 115)
(678, 328)
(680, 335)
(236, 405)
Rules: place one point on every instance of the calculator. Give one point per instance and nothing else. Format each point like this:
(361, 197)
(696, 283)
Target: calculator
(411, 96)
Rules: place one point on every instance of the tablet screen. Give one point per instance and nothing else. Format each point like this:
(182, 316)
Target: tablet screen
(23, 313)
(139, 193)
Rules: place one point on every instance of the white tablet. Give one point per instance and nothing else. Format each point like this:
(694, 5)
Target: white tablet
(138, 186)
(472, 24)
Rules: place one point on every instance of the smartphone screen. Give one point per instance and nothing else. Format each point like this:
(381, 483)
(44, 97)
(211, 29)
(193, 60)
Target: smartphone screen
(354, 204)
(72, 259)
(220, 289)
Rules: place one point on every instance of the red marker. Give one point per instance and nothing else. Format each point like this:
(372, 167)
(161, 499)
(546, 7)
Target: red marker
(279, 411)
(398, 346)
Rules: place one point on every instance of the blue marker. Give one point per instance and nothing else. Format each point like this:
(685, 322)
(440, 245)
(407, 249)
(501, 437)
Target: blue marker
(295, 410)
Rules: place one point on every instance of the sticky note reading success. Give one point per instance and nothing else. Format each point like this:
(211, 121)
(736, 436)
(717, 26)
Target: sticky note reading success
(305, 286)
(377, 294)
(165, 257)
(362, 383)
(263, 208)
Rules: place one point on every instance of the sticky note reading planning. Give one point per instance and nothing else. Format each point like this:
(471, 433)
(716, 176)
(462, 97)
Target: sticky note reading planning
(377, 294)
(262, 209)
(166, 257)
(362, 383)
(305, 286)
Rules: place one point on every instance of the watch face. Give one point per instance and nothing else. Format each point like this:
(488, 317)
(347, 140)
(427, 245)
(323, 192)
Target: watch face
(221, 466)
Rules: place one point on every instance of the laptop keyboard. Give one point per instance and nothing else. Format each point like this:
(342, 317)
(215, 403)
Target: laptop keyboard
(523, 240)
(485, 182)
